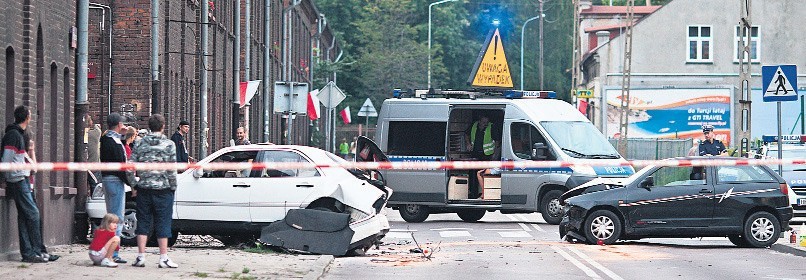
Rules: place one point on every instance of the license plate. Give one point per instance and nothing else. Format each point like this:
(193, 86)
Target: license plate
(802, 202)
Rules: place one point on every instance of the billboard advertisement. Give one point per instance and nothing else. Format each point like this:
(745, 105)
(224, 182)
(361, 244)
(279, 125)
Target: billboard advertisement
(672, 113)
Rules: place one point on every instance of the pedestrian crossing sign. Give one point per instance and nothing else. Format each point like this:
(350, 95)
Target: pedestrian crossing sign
(779, 83)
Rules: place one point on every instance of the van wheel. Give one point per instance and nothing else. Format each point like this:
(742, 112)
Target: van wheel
(602, 225)
(761, 230)
(550, 207)
(471, 216)
(414, 213)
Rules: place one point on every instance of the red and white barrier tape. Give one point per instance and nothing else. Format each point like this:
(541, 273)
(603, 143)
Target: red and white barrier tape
(433, 165)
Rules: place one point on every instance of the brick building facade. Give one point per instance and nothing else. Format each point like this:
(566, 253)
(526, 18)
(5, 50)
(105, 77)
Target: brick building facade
(38, 71)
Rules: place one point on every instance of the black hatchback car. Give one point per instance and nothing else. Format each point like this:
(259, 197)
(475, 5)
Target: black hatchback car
(747, 204)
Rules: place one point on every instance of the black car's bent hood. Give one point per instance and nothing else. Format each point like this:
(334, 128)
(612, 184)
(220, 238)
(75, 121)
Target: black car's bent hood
(595, 185)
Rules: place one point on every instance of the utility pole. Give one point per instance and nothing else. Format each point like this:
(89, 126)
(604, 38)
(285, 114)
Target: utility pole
(575, 54)
(540, 70)
(743, 133)
(155, 67)
(625, 82)
(205, 47)
(236, 67)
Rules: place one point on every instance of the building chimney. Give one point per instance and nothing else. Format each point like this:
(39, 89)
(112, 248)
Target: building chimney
(602, 37)
(585, 4)
(649, 2)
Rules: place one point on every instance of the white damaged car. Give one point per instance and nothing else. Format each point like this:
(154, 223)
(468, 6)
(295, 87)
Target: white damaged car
(235, 205)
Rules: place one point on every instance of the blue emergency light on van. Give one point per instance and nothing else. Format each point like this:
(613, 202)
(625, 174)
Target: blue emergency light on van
(518, 94)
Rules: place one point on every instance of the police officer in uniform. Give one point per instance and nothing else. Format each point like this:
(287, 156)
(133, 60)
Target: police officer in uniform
(711, 146)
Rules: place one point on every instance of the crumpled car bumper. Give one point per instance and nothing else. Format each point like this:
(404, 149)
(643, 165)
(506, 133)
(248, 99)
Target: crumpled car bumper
(572, 224)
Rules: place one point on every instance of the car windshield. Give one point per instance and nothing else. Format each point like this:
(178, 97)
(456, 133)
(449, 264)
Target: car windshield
(580, 139)
(788, 154)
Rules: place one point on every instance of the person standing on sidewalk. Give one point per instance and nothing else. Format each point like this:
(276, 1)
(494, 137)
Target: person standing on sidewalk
(179, 139)
(112, 150)
(155, 191)
(15, 146)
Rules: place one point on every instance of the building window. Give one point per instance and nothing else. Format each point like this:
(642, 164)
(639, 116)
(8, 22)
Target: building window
(700, 43)
(755, 44)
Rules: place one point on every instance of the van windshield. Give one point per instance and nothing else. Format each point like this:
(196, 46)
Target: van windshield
(580, 140)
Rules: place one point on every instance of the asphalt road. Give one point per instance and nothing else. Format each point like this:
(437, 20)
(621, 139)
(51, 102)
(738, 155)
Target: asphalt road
(521, 246)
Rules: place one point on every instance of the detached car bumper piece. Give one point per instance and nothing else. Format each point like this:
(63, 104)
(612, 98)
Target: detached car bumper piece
(309, 230)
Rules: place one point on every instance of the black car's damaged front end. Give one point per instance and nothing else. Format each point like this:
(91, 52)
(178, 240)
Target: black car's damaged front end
(578, 201)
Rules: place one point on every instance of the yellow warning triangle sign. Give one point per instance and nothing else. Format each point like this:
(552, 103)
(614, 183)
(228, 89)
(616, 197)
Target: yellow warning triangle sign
(491, 69)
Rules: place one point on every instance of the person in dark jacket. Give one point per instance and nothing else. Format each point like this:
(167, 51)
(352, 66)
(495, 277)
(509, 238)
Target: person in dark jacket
(112, 150)
(179, 140)
(155, 198)
(18, 183)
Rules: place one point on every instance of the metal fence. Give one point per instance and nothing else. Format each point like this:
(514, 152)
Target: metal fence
(653, 148)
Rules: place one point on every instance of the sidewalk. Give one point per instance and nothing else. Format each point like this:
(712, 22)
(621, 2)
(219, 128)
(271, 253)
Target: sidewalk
(193, 263)
(784, 246)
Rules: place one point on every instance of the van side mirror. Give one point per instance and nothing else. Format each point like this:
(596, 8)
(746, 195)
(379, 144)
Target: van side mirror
(540, 151)
(647, 183)
(198, 173)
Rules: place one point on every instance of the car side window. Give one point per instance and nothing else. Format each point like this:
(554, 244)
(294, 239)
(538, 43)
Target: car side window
(737, 174)
(669, 176)
(283, 157)
(232, 157)
(523, 137)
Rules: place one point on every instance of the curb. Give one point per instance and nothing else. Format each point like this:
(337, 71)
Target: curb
(319, 267)
(788, 249)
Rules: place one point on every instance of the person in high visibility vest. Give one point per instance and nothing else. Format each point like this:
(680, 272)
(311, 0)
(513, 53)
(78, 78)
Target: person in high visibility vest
(481, 143)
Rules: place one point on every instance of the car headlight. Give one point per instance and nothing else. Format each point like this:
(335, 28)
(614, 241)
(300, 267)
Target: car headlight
(98, 192)
(584, 170)
(355, 214)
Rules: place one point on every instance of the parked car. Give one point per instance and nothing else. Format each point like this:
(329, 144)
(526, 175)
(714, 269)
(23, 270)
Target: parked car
(234, 205)
(795, 176)
(747, 204)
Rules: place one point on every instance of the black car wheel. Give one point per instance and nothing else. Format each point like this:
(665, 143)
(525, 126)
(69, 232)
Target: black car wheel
(761, 230)
(414, 213)
(602, 225)
(738, 240)
(550, 207)
(470, 215)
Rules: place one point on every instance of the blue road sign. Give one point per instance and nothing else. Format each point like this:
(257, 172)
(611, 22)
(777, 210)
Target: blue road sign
(779, 83)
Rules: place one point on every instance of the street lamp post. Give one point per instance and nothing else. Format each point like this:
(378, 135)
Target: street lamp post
(523, 33)
(429, 36)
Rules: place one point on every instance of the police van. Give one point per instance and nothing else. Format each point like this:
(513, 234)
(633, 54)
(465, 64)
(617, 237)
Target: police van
(792, 147)
(526, 126)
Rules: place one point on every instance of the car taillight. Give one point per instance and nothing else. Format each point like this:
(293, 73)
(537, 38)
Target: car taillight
(784, 189)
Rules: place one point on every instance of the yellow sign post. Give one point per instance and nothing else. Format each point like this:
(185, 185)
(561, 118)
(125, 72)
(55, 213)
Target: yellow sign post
(491, 69)
(584, 93)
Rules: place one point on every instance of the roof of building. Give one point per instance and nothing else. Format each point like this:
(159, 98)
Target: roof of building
(593, 10)
(605, 27)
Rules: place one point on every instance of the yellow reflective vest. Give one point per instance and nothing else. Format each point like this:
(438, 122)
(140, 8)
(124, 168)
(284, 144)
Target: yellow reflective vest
(488, 147)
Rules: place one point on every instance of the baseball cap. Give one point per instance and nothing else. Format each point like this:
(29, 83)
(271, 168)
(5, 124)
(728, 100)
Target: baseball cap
(184, 122)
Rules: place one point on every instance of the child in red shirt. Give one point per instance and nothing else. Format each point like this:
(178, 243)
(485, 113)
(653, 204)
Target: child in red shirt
(104, 242)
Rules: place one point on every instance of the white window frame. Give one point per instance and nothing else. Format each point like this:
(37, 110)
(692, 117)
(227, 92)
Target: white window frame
(756, 39)
(700, 40)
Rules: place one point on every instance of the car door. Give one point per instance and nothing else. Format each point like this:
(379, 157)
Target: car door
(218, 195)
(735, 190)
(278, 190)
(678, 198)
(518, 186)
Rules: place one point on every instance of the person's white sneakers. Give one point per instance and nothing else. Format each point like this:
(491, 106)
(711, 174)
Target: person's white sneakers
(167, 263)
(139, 262)
(108, 263)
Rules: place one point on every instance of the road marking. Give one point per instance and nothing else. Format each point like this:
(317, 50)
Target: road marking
(402, 230)
(449, 229)
(538, 228)
(595, 264)
(526, 228)
(577, 263)
(515, 234)
(456, 233)
(399, 235)
(502, 229)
